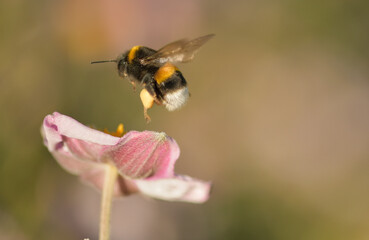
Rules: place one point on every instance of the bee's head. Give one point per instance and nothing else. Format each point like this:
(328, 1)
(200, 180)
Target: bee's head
(122, 58)
(122, 62)
(176, 99)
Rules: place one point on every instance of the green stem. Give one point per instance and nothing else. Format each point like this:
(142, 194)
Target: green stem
(111, 174)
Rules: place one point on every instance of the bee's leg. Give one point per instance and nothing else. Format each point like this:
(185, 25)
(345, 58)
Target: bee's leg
(150, 85)
(147, 79)
(157, 101)
(149, 93)
(147, 101)
(125, 72)
(146, 116)
(122, 71)
(133, 83)
(124, 75)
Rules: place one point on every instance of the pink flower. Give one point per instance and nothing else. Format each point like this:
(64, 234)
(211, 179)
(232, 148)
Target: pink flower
(144, 160)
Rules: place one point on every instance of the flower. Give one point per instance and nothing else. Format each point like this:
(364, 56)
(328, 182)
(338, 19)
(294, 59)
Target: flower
(144, 160)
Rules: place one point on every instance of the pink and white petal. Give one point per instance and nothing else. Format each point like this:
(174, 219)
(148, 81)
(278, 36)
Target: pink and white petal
(92, 174)
(144, 154)
(83, 149)
(70, 163)
(178, 188)
(49, 132)
(83, 142)
(71, 128)
(169, 156)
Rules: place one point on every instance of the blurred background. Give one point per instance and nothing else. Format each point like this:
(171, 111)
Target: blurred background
(278, 117)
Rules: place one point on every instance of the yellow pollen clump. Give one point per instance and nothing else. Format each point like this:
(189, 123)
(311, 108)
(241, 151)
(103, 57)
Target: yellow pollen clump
(146, 99)
(118, 133)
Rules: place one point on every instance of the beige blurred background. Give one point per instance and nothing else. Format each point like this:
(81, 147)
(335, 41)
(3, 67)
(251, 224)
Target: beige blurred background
(278, 117)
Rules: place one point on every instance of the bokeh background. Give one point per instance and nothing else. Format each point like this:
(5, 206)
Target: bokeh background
(278, 118)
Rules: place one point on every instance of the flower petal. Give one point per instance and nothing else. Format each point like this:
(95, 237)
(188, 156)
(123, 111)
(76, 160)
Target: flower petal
(178, 188)
(69, 127)
(84, 142)
(70, 163)
(144, 154)
(83, 149)
(92, 173)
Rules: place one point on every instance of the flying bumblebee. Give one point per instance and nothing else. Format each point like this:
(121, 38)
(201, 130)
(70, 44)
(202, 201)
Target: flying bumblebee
(162, 82)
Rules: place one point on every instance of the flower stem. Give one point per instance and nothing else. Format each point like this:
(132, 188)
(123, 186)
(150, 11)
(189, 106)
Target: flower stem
(106, 201)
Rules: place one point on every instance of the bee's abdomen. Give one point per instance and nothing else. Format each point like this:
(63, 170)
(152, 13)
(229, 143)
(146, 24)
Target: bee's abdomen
(165, 72)
(172, 86)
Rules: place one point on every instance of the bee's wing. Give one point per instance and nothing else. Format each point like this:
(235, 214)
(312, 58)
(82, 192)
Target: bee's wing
(179, 51)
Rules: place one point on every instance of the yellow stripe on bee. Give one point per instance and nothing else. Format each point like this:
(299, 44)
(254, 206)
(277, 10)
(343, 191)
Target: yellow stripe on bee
(132, 53)
(165, 72)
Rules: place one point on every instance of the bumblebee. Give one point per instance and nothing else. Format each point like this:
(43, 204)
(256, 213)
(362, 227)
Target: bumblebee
(161, 80)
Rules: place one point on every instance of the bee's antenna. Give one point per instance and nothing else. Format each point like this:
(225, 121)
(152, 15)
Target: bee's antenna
(104, 61)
